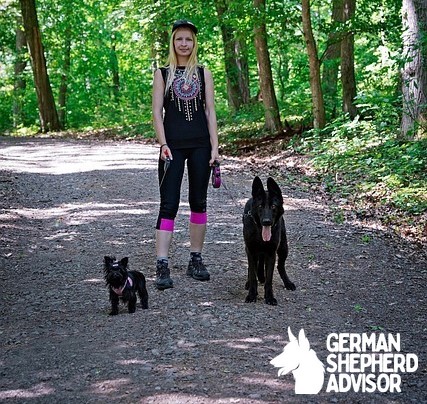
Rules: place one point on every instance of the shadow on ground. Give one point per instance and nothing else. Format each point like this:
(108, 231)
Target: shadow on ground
(66, 204)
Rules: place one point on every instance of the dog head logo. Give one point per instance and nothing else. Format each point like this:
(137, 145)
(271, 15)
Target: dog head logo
(298, 358)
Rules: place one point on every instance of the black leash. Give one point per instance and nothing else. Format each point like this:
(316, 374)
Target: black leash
(165, 168)
(217, 180)
(222, 182)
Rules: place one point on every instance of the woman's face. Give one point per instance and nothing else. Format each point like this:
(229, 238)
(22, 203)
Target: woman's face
(183, 42)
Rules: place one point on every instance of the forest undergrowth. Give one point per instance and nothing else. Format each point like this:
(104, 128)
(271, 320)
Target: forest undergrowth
(362, 167)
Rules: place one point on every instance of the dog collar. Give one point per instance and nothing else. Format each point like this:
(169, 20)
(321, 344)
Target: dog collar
(119, 291)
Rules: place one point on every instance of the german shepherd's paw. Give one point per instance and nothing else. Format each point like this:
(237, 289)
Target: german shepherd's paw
(271, 301)
(250, 299)
(290, 285)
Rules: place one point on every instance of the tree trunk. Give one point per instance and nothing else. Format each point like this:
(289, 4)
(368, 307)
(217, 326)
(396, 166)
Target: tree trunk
(271, 108)
(20, 84)
(235, 59)
(115, 71)
(63, 88)
(348, 77)
(66, 64)
(331, 61)
(315, 82)
(414, 73)
(243, 69)
(47, 111)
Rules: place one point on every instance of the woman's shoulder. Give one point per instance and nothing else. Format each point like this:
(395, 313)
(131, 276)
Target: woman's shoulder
(206, 73)
(161, 71)
(204, 69)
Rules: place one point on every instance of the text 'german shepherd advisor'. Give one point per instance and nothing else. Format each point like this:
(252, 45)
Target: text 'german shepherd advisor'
(264, 233)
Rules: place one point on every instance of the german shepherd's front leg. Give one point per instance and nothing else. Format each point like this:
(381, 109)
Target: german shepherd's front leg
(252, 283)
(261, 269)
(282, 254)
(270, 260)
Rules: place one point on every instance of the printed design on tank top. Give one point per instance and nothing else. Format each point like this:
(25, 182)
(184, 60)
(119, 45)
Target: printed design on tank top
(186, 94)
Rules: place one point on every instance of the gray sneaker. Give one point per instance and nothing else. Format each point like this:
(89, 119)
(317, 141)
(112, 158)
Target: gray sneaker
(163, 280)
(197, 270)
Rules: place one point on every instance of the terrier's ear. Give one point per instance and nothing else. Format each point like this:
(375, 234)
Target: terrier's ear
(124, 261)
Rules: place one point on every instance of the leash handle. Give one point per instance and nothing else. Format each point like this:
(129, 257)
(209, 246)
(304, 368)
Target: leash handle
(216, 174)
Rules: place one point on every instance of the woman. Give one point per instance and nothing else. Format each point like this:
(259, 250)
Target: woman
(186, 129)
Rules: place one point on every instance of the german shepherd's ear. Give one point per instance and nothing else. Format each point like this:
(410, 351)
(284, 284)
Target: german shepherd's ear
(273, 188)
(257, 188)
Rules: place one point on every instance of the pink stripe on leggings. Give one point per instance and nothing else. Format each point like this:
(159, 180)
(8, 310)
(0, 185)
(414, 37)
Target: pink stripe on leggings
(198, 218)
(167, 224)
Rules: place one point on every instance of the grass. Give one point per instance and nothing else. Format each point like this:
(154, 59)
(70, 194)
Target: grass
(363, 162)
(370, 166)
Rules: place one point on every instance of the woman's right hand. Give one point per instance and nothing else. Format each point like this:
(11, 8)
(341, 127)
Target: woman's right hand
(165, 152)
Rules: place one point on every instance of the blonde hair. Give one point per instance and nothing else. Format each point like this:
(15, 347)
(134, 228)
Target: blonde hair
(172, 61)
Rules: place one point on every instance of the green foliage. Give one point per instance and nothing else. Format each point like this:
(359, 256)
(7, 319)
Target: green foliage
(131, 37)
(5, 108)
(365, 161)
(246, 124)
(366, 238)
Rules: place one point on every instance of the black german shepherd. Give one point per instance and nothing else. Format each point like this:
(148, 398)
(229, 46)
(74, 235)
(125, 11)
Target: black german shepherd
(264, 233)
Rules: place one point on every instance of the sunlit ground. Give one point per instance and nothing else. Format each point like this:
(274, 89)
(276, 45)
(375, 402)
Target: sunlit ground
(75, 158)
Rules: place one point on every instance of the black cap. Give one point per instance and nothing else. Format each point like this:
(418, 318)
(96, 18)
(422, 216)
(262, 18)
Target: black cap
(184, 24)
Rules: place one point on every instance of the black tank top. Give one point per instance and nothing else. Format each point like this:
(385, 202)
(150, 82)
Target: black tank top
(184, 120)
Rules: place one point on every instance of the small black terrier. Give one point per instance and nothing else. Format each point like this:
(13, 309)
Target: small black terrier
(124, 284)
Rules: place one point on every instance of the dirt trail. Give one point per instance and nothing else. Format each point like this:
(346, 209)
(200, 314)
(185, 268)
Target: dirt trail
(66, 204)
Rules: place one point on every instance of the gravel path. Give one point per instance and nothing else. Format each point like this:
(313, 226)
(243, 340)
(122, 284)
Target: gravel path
(66, 204)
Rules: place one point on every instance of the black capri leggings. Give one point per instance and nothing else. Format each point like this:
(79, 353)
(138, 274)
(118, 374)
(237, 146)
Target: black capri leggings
(198, 181)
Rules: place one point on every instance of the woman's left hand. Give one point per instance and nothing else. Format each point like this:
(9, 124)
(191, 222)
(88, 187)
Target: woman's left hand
(214, 157)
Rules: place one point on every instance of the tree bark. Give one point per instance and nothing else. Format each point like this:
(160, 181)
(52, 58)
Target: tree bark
(414, 72)
(47, 110)
(115, 71)
(242, 64)
(63, 88)
(20, 83)
(236, 66)
(331, 61)
(348, 77)
(271, 108)
(66, 65)
(319, 119)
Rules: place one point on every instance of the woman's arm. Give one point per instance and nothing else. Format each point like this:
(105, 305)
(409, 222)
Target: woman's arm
(157, 109)
(211, 114)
